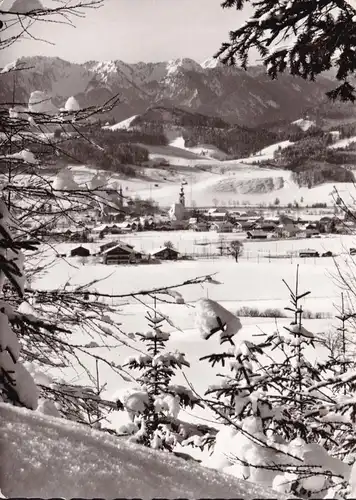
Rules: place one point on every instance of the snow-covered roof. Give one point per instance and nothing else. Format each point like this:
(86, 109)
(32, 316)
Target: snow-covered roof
(122, 246)
(158, 250)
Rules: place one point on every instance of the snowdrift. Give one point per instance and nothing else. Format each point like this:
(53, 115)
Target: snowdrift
(51, 457)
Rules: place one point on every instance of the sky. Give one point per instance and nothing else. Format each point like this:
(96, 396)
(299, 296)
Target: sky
(132, 31)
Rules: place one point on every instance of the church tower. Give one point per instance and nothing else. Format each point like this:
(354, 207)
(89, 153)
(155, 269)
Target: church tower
(182, 196)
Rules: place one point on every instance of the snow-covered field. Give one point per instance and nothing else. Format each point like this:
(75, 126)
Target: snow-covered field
(239, 182)
(254, 282)
(207, 243)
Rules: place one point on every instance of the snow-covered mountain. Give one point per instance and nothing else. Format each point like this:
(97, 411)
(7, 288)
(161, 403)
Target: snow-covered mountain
(248, 98)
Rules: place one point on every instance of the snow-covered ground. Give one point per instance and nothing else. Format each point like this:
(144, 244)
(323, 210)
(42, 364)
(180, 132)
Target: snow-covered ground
(228, 183)
(304, 124)
(124, 125)
(269, 151)
(343, 143)
(253, 282)
(118, 467)
(49, 457)
(205, 150)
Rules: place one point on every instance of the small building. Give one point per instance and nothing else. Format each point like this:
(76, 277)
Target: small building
(257, 235)
(80, 252)
(121, 254)
(200, 227)
(308, 253)
(165, 253)
(218, 216)
(247, 225)
(335, 135)
(222, 227)
(266, 226)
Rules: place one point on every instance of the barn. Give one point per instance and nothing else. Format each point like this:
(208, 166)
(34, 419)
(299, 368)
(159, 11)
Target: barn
(80, 252)
(257, 235)
(165, 253)
(121, 254)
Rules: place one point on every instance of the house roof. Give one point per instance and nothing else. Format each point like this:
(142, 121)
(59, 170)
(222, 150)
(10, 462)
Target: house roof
(128, 249)
(222, 224)
(257, 233)
(308, 250)
(115, 243)
(158, 250)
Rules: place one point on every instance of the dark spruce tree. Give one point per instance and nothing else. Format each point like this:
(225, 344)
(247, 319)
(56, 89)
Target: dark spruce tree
(302, 37)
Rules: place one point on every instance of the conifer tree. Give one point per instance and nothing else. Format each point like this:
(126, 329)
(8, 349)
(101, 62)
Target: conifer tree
(154, 407)
(281, 405)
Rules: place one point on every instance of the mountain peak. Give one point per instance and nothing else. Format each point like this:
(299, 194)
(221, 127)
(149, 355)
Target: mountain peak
(211, 63)
(185, 64)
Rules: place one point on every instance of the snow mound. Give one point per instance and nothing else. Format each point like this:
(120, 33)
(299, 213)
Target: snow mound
(72, 104)
(304, 124)
(65, 181)
(53, 457)
(124, 125)
(40, 102)
(24, 6)
(212, 318)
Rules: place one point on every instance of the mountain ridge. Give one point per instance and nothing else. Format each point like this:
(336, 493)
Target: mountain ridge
(238, 96)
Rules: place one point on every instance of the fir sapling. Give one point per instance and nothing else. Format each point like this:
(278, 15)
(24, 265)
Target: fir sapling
(155, 405)
(275, 401)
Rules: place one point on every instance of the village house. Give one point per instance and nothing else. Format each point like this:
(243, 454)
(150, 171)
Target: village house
(257, 235)
(266, 226)
(288, 230)
(237, 227)
(215, 216)
(121, 254)
(113, 243)
(335, 135)
(200, 227)
(80, 252)
(128, 226)
(165, 253)
(247, 225)
(222, 227)
(311, 230)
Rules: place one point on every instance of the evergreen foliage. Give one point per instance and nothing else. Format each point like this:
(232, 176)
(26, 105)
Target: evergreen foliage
(302, 37)
(155, 406)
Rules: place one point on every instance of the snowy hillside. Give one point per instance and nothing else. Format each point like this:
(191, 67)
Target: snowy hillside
(343, 143)
(270, 150)
(124, 125)
(304, 124)
(205, 150)
(50, 457)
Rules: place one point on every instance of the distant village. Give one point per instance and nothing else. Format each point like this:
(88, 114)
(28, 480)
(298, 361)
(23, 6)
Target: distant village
(117, 214)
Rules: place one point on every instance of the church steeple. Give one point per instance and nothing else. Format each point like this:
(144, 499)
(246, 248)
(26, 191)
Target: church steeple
(182, 196)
